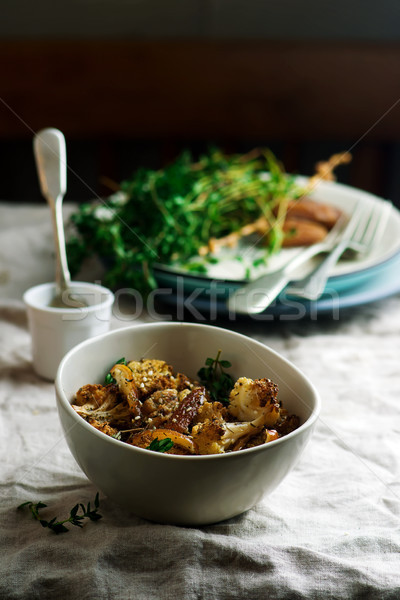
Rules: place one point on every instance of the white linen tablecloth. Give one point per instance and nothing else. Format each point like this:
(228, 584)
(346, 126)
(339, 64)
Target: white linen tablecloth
(331, 530)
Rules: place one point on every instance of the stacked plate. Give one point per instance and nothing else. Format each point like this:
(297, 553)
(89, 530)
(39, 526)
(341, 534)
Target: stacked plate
(359, 280)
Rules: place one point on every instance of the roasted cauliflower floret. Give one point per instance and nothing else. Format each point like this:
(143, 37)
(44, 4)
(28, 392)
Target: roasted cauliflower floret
(208, 437)
(215, 437)
(162, 402)
(95, 396)
(104, 427)
(210, 411)
(250, 399)
(151, 375)
(102, 405)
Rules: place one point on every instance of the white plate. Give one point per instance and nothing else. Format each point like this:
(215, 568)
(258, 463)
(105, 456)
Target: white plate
(234, 265)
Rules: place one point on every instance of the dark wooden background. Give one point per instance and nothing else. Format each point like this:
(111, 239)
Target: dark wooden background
(124, 104)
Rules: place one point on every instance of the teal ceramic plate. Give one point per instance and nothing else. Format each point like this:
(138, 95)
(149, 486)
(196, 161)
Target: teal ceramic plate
(380, 282)
(362, 279)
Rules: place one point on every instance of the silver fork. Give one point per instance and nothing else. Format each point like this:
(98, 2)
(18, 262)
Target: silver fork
(363, 232)
(257, 295)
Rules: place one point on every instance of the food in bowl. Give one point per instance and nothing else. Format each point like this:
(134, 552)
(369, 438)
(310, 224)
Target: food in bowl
(192, 489)
(147, 404)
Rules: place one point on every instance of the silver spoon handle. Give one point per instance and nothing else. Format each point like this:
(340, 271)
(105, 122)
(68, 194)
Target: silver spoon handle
(63, 277)
(51, 162)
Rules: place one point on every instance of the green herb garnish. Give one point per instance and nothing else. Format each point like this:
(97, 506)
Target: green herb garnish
(74, 517)
(109, 378)
(214, 378)
(166, 216)
(259, 262)
(161, 445)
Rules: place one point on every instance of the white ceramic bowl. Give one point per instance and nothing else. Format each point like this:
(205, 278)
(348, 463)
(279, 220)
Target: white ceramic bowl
(188, 490)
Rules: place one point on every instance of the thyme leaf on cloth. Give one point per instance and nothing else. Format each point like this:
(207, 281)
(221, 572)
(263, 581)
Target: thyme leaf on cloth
(77, 514)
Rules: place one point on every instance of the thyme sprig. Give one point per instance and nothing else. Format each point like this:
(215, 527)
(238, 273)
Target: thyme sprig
(215, 379)
(75, 518)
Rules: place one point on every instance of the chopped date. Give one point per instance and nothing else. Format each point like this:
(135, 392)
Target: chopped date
(184, 415)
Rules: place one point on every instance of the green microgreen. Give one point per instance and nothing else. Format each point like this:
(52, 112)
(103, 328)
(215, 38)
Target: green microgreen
(215, 379)
(257, 262)
(75, 516)
(197, 267)
(166, 216)
(161, 445)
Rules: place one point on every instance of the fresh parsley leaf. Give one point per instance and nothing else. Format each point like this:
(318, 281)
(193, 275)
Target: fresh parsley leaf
(161, 445)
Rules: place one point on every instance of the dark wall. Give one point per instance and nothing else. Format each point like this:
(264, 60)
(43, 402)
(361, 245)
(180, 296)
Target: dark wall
(304, 109)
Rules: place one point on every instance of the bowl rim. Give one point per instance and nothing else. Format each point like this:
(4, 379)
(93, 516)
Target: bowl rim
(66, 404)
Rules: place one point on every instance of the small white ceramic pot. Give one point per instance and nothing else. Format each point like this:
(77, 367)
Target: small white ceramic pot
(55, 331)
